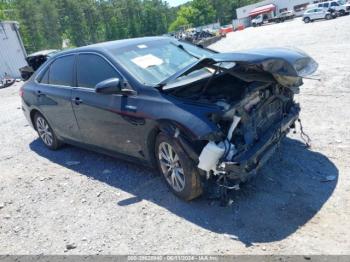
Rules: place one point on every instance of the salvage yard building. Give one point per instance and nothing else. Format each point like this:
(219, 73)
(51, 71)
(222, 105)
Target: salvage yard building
(277, 6)
(271, 7)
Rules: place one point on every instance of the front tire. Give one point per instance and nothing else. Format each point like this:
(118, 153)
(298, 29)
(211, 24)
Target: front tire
(45, 132)
(307, 20)
(177, 168)
(328, 17)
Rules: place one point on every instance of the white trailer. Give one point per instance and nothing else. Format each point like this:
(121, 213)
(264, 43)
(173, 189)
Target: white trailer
(12, 51)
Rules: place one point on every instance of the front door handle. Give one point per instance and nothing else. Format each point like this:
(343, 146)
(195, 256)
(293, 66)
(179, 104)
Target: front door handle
(77, 100)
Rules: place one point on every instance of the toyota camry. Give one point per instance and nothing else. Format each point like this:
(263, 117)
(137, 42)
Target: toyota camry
(195, 114)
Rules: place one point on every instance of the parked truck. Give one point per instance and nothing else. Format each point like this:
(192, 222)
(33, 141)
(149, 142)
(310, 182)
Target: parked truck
(271, 18)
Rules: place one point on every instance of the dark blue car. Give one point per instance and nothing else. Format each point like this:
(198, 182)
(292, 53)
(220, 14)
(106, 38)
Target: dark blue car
(196, 114)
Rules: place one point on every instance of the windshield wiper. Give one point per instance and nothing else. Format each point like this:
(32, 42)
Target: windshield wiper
(185, 50)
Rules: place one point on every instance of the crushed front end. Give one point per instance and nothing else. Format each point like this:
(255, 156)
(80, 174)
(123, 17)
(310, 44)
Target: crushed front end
(253, 128)
(254, 91)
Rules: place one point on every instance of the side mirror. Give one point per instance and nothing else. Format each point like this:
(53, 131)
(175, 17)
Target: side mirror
(109, 86)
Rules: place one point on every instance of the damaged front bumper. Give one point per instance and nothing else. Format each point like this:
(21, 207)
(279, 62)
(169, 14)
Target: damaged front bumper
(246, 164)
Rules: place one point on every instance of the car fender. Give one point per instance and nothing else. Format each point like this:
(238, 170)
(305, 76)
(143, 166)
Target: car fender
(182, 136)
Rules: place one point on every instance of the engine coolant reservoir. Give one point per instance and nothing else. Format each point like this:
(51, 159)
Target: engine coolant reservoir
(210, 156)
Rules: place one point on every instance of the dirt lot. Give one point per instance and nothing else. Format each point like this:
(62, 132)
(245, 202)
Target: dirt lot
(102, 205)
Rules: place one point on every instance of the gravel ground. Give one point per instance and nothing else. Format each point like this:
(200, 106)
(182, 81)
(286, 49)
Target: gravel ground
(77, 202)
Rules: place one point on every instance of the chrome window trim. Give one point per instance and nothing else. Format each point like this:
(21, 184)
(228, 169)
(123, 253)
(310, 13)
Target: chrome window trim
(76, 54)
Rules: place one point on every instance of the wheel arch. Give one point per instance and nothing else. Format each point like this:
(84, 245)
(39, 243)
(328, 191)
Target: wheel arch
(32, 114)
(173, 129)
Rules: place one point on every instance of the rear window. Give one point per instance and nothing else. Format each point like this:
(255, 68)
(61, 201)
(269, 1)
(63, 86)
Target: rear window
(45, 77)
(61, 71)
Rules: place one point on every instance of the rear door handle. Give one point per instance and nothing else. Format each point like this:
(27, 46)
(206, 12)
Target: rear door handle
(77, 100)
(131, 108)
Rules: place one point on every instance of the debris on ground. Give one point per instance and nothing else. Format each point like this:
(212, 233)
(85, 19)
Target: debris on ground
(71, 246)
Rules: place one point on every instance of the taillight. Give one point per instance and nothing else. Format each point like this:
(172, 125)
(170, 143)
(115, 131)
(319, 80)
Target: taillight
(21, 92)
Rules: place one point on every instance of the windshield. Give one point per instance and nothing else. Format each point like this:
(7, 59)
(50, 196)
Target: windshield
(152, 62)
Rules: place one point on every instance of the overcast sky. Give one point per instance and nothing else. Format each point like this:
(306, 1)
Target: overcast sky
(176, 2)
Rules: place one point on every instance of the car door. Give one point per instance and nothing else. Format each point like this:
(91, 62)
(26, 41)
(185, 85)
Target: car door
(103, 118)
(318, 13)
(54, 92)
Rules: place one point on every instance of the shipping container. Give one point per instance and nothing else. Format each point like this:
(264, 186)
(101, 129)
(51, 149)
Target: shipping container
(12, 51)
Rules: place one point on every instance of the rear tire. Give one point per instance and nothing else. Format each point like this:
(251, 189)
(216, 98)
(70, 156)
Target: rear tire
(328, 17)
(342, 12)
(177, 169)
(46, 133)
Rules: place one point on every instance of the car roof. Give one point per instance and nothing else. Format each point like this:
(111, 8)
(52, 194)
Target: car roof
(105, 46)
(43, 52)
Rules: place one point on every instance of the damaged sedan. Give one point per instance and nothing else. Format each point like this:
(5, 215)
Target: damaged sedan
(195, 114)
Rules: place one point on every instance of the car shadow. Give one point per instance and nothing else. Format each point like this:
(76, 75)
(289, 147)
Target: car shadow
(284, 196)
(322, 20)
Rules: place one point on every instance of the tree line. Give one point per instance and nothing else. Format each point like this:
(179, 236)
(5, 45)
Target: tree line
(44, 24)
(202, 12)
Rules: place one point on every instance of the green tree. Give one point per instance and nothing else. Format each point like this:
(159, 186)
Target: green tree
(206, 14)
(50, 24)
(31, 24)
(5, 9)
(187, 15)
(45, 23)
(178, 24)
(73, 22)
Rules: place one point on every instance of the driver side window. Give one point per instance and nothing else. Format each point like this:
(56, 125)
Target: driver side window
(93, 69)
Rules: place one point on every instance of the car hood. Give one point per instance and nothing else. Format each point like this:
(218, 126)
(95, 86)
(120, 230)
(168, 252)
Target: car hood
(35, 60)
(287, 66)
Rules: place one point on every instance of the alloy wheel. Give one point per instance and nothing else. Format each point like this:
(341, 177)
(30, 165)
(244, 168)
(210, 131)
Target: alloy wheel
(171, 166)
(44, 131)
